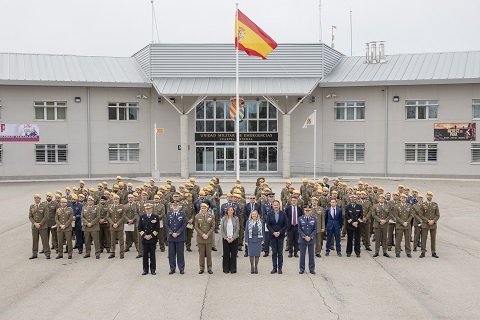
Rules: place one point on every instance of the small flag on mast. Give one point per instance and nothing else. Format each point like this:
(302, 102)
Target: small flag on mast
(251, 38)
(310, 121)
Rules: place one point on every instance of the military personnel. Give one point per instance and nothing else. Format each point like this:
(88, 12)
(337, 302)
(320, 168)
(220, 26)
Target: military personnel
(160, 210)
(205, 226)
(381, 214)
(153, 186)
(68, 194)
(284, 194)
(403, 216)
(122, 192)
(430, 217)
(392, 222)
(418, 214)
(50, 206)
(148, 227)
(318, 212)
(336, 185)
(324, 199)
(91, 228)
(324, 183)
(104, 236)
(307, 231)
(176, 224)
(367, 219)
(172, 187)
(304, 190)
(38, 216)
(77, 217)
(116, 219)
(64, 219)
(354, 217)
(81, 189)
(131, 218)
(190, 213)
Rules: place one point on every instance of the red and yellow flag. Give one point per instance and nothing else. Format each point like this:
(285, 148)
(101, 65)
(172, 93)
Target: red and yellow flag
(251, 39)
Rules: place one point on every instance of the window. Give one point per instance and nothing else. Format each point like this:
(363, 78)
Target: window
(420, 152)
(350, 110)
(50, 110)
(421, 109)
(351, 152)
(476, 108)
(123, 111)
(51, 153)
(214, 116)
(475, 152)
(123, 152)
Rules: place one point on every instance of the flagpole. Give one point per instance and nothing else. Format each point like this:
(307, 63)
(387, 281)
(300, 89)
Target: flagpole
(237, 105)
(155, 147)
(315, 146)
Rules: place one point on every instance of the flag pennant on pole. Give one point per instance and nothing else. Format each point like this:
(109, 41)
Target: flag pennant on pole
(233, 109)
(251, 38)
(310, 121)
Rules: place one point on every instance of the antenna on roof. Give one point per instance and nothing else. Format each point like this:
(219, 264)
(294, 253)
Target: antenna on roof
(154, 24)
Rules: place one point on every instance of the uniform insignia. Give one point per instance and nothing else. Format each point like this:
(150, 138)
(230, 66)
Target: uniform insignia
(154, 221)
(209, 219)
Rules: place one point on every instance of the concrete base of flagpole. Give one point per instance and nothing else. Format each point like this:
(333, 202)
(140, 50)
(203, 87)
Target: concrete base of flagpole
(156, 175)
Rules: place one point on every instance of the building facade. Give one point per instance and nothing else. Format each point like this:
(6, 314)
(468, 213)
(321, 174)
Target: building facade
(97, 116)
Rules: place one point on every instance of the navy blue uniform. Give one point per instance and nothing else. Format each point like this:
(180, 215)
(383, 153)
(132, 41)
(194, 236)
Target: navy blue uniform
(176, 223)
(354, 213)
(307, 226)
(224, 207)
(267, 207)
(77, 213)
(149, 226)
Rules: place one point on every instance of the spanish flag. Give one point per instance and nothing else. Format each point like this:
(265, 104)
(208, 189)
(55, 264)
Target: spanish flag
(251, 39)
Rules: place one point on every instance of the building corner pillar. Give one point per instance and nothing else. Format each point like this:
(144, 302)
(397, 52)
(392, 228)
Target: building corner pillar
(286, 127)
(184, 161)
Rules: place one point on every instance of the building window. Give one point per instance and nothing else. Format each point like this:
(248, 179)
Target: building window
(214, 116)
(123, 152)
(350, 152)
(51, 153)
(421, 109)
(475, 152)
(123, 111)
(476, 108)
(420, 152)
(350, 110)
(50, 110)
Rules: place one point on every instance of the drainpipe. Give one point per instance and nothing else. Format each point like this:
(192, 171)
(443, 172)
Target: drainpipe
(386, 131)
(89, 136)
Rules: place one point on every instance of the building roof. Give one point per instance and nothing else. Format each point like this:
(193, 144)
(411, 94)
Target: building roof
(407, 69)
(70, 70)
(226, 86)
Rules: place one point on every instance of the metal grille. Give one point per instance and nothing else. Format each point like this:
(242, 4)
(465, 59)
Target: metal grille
(421, 152)
(51, 153)
(350, 152)
(124, 152)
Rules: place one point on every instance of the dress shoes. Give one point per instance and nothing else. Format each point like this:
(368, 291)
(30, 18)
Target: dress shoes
(290, 255)
(386, 255)
(435, 255)
(48, 257)
(32, 257)
(42, 251)
(214, 249)
(86, 256)
(280, 271)
(422, 255)
(296, 255)
(245, 255)
(182, 272)
(240, 249)
(97, 257)
(153, 272)
(318, 255)
(368, 249)
(327, 254)
(144, 273)
(397, 255)
(59, 257)
(200, 272)
(189, 250)
(375, 254)
(210, 272)
(273, 271)
(300, 272)
(265, 254)
(171, 272)
(349, 254)
(409, 255)
(339, 254)
(138, 256)
(111, 256)
(121, 257)
(358, 255)
(69, 257)
(313, 272)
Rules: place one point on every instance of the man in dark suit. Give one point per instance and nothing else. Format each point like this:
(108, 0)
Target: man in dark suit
(277, 223)
(354, 218)
(149, 227)
(176, 224)
(267, 207)
(333, 223)
(294, 212)
(249, 207)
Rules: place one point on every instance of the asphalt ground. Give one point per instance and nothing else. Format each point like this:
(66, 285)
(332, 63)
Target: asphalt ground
(343, 288)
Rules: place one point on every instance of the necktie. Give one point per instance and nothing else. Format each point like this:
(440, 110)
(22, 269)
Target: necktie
(294, 216)
(308, 219)
(251, 207)
(148, 216)
(333, 212)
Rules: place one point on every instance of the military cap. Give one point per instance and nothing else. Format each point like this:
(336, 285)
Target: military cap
(99, 185)
(375, 186)
(64, 200)
(175, 202)
(67, 188)
(58, 191)
(116, 196)
(119, 178)
(130, 196)
(159, 192)
(355, 188)
(336, 179)
(181, 186)
(312, 181)
(296, 191)
(288, 181)
(403, 195)
(420, 196)
(334, 191)
(81, 196)
(202, 193)
(36, 195)
(237, 181)
(151, 179)
(74, 197)
(229, 194)
(364, 192)
(91, 189)
(314, 198)
(396, 193)
(49, 194)
(429, 193)
(188, 194)
(324, 189)
(144, 193)
(344, 183)
(156, 196)
(57, 195)
(169, 180)
(360, 182)
(121, 184)
(115, 186)
(291, 186)
(265, 183)
(192, 179)
(102, 198)
(309, 208)
(352, 196)
(212, 183)
(381, 195)
(304, 180)
(381, 188)
(81, 182)
(414, 190)
(105, 183)
(204, 205)
(400, 186)
(129, 185)
(358, 192)
(135, 194)
(91, 198)
(271, 194)
(176, 194)
(168, 187)
(107, 193)
(148, 205)
(238, 195)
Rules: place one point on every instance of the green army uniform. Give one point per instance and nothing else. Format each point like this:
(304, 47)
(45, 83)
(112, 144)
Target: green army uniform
(430, 212)
(189, 210)
(38, 214)
(403, 213)
(160, 211)
(366, 227)
(418, 214)
(131, 237)
(104, 235)
(392, 224)
(116, 216)
(51, 209)
(381, 211)
(91, 214)
(205, 224)
(319, 213)
(63, 217)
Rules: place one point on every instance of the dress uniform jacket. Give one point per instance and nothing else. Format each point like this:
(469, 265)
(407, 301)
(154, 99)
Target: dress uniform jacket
(403, 213)
(430, 212)
(176, 223)
(159, 210)
(189, 210)
(131, 212)
(90, 214)
(381, 212)
(307, 226)
(318, 213)
(353, 213)
(149, 226)
(51, 209)
(64, 216)
(367, 209)
(116, 215)
(38, 214)
(205, 225)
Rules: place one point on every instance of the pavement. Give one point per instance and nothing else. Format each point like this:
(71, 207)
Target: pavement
(343, 288)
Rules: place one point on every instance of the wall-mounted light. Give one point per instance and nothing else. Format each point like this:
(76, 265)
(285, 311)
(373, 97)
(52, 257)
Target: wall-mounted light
(258, 99)
(396, 98)
(172, 100)
(160, 100)
(331, 95)
(78, 99)
(144, 96)
(214, 99)
(312, 99)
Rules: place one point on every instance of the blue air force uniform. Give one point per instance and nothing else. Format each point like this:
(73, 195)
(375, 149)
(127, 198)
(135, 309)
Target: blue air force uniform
(149, 225)
(176, 223)
(307, 226)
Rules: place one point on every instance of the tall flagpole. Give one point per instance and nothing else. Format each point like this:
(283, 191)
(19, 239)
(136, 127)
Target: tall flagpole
(315, 145)
(237, 105)
(155, 145)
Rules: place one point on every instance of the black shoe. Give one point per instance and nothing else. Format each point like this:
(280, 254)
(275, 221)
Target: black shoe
(210, 272)
(409, 255)
(162, 250)
(435, 255)
(32, 257)
(318, 255)
(52, 247)
(111, 256)
(252, 271)
(265, 254)
(280, 271)
(375, 254)
(171, 272)
(86, 256)
(327, 254)
(48, 258)
(339, 254)
(138, 256)
(397, 255)
(42, 251)
(216, 231)
(97, 257)
(76, 247)
(144, 273)
(128, 249)
(121, 257)
(240, 249)
(182, 272)
(245, 255)
(313, 272)
(273, 271)
(415, 249)
(153, 273)
(69, 257)
(214, 249)
(296, 255)
(290, 255)
(358, 255)
(59, 257)
(80, 251)
(66, 251)
(300, 272)
(386, 255)
(189, 250)
(368, 249)
(200, 272)
(422, 255)
(389, 249)
(349, 254)
(233, 271)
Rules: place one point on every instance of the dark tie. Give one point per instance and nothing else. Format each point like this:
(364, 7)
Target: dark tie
(294, 216)
(251, 207)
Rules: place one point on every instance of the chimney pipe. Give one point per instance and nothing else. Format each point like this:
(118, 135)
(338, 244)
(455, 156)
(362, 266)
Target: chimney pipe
(382, 52)
(367, 52)
(373, 47)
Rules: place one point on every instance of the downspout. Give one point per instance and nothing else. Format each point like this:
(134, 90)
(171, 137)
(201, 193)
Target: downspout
(89, 136)
(386, 132)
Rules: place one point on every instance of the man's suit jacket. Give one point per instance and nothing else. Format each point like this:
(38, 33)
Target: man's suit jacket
(289, 212)
(281, 226)
(248, 208)
(336, 222)
(149, 226)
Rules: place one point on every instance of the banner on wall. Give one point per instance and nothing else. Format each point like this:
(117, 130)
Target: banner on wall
(19, 132)
(454, 131)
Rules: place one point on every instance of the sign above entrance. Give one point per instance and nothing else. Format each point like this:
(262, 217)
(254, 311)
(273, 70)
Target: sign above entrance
(212, 136)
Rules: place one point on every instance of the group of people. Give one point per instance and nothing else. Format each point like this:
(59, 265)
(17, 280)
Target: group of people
(303, 218)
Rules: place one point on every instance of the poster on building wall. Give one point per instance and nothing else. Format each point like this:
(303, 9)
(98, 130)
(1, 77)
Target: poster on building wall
(19, 132)
(454, 131)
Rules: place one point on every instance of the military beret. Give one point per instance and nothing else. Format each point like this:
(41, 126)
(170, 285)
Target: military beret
(57, 195)
(381, 196)
(238, 195)
(355, 188)
(336, 179)
(288, 182)
(170, 180)
(81, 182)
(121, 184)
(115, 186)
(324, 189)
(212, 183)
(91, 189)
(105, 183)
(74, 197)
(312, 181)
(159, 192)
(81, 195)
(102, 198)
(420, 196)
(403, 195)
(204, 205)
(381, 188)
(396, 193)
(344, 183)
(400, 186)
(309, 208)
(130, 195)
(291, 186)
(358, 192)
(49, 194)
(176, 194)
(429, 193)
(352, 196)
(265, 183)
(229, 195)
(135, 194)
(360, 182)
(151, 179)
(90, 198)
(148, 205)
(334, 191)
(202, 193)
(36, 195)
(188, 194)
(64, 200)
(107, 193)
(67, 188)
(168, 187)
(144, 193)
(119, 178)
(304, 180)
(296, 191)
(58, 191)
(237, 181)
(314, 198)
(156, 196)
(99, 185)
(191, 179)
(175, 202)
(116, 196)
(414, 190)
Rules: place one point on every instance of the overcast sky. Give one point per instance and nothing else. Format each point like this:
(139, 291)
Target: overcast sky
(122, 27)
